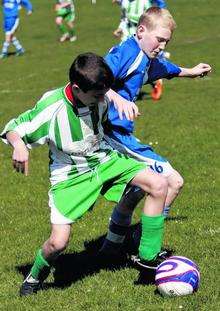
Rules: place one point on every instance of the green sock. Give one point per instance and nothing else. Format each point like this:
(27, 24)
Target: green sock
(72, 32)
(63, 28)
(39, 264)
(151, 237)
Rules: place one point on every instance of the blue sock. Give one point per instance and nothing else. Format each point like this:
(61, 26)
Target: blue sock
(166, 211)
(17, 44)
(5, 47)
(117, 230)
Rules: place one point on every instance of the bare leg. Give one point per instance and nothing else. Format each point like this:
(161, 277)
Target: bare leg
(40, 270)
(57, 241)
(175, 184)
(62, 28)
(6, 45)
(156, 187)
(72, 31)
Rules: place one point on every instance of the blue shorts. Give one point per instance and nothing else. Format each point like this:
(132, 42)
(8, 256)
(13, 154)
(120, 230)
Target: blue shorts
(130, 145)
(10, 25)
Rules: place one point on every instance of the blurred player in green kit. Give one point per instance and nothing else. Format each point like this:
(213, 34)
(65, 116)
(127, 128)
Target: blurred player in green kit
(65, 17)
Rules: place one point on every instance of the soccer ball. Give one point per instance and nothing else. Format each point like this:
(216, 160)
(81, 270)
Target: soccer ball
(177, 276)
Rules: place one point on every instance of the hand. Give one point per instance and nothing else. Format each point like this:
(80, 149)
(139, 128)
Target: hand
(123, 105)
(129, 109)
(20, 158)
(200, 70)
(29, 12)
(118, 33)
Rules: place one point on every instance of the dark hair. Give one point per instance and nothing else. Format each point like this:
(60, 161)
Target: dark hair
(90, 72)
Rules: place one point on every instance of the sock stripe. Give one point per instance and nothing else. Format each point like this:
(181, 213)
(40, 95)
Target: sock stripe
(115, 238)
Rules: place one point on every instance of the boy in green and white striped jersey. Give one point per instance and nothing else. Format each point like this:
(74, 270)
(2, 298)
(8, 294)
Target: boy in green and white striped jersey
(82, 165)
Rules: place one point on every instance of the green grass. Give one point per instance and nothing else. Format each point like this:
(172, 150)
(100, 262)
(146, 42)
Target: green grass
(183, 126)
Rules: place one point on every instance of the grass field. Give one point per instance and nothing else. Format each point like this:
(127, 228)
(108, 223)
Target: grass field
(183, 126)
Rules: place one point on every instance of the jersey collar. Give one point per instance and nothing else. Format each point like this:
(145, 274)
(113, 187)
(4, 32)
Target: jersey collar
(71, 99)
(69, 94)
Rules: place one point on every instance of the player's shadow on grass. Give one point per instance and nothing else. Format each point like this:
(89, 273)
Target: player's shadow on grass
(70, 268)
(11, 54)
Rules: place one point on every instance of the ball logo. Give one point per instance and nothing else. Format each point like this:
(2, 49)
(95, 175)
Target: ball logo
(169, 266)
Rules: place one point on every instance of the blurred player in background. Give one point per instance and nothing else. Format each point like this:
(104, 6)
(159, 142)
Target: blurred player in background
(11, 22)
(65, 17)
(121, 30)
(131, 11)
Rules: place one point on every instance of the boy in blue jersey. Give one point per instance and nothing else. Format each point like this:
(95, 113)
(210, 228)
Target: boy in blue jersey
(11, 22)
(132, 10)
(135, 63)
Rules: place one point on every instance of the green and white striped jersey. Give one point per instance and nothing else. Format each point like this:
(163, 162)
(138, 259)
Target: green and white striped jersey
(69, 7)
(73, 132)
(135, 8)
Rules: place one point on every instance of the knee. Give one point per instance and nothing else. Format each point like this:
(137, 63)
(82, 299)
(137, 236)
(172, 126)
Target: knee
(159, 187)
(176, 182)
(58, 245)
(179, 182)
(58, 21)
(8, 38)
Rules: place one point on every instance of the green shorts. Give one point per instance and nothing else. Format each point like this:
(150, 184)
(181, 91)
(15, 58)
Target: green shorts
(68, 16)
(72, 198)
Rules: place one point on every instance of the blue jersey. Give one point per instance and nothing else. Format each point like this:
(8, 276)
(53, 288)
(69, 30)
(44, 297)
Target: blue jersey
(132, 68)
(11, 7)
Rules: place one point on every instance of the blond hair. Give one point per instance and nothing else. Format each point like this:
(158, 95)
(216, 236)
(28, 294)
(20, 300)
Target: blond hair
(154, 16)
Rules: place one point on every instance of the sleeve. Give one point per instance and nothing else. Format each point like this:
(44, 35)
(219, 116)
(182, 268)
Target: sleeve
(32, 126)
(160, 3)
(27, 5)
(119, 60)
(161, 68)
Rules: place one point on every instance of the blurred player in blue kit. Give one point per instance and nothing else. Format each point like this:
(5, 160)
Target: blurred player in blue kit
(11, 22)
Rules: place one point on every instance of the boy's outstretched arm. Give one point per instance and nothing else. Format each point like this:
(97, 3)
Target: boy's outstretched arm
(124, 106)
(199, 70)
(20, 154)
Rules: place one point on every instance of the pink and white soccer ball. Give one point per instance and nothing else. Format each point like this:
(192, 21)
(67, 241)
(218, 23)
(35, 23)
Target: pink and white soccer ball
(177, 276)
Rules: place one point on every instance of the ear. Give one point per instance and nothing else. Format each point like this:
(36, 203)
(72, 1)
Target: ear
(75, 88)
(140, 30)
